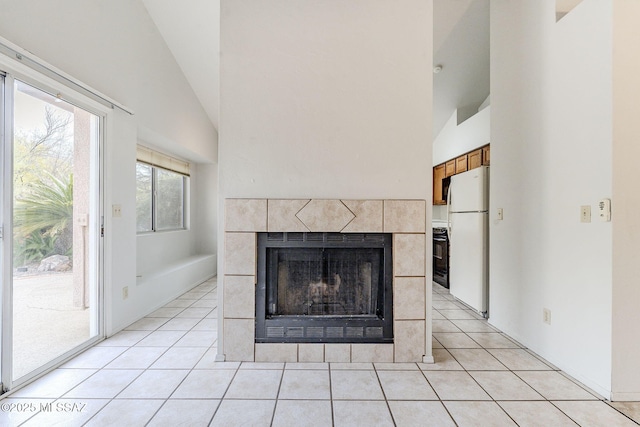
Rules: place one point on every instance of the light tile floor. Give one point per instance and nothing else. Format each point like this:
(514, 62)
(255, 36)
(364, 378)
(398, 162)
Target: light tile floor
(161, 371)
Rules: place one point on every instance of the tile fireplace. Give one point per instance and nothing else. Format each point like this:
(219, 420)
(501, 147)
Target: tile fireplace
(347, 281)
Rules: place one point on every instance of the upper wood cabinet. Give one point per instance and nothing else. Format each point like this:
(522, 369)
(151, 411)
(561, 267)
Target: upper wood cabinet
(475, 159)
(438, 177)
(442, 172)
(461, 164)
(486, 155)
(450, 168)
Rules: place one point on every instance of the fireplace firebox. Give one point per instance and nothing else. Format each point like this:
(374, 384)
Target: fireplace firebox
(324, 287)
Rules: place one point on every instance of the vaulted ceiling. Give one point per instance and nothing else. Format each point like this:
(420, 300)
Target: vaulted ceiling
(461, 48)
(191, 29)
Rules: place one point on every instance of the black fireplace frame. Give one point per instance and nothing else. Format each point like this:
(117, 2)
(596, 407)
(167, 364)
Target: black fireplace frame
(376, 328)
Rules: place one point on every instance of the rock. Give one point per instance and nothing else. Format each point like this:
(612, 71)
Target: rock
(55, 263)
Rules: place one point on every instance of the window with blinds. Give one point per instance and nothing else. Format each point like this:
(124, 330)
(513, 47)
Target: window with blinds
(161, 189)
(161, 160)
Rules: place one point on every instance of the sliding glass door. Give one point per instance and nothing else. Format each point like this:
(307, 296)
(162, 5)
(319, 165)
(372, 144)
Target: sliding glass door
(51, 239)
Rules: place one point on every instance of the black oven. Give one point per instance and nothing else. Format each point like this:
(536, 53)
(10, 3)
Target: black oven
(441, 257)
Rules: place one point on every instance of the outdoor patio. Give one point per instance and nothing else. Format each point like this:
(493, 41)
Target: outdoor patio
(46, 323)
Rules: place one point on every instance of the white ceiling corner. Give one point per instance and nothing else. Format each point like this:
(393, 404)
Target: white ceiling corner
(461, 47)
(565, 6)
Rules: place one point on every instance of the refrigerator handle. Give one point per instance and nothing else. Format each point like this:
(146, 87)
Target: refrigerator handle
(449, 211)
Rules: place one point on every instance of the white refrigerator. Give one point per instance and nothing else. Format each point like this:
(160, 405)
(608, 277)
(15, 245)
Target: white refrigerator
(468, 227)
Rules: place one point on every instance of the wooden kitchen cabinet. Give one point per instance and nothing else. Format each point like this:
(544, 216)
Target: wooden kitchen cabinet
(450, 168)
(486, 155)
(438, 177)
(442, 172)
(461, 164)
(475, 159)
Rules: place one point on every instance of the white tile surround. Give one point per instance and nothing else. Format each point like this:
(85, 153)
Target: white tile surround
(405, 219)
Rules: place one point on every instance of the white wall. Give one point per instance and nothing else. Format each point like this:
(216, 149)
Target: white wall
(455, 139)
(439, 212)
(551, 153)
(626, 198)
(113, 46)
(205, 208)
(325, 99)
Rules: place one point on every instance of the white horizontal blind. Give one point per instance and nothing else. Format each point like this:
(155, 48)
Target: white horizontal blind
(154, 158)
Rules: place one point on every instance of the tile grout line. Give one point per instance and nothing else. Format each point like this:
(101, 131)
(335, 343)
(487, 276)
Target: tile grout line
(147, 369)
(544, 399)
(473, 378)
(384, 395)
(333, 421)
(192, 370)
(608, 403)
(275, 404)
(178, 386)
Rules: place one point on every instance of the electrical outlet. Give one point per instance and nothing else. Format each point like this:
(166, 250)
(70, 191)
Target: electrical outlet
(116, 211)
(125, 292)
(546, 316)
(585, 213)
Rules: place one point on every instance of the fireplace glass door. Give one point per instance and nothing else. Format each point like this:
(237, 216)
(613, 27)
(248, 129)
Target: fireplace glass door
(324, 282)
(324, 287)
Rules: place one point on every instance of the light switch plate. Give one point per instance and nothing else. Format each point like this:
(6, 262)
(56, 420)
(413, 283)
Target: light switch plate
(500, 214)
(585, 213)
